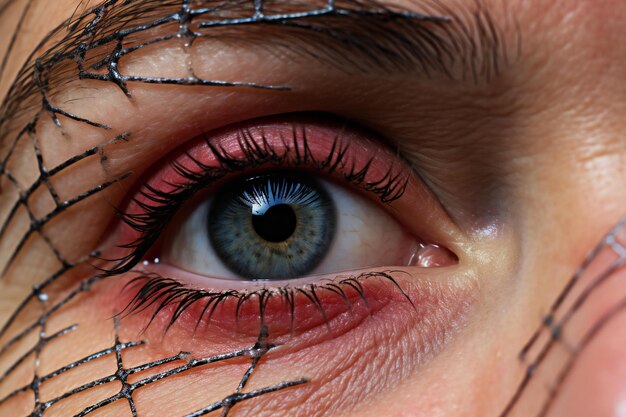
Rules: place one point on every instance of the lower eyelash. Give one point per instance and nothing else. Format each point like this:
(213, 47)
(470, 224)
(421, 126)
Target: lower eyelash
(162, 293)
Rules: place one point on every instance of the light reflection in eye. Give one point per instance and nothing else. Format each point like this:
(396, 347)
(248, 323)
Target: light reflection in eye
(272, 226)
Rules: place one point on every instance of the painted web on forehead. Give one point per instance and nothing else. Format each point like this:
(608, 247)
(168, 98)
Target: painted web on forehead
(30, 96)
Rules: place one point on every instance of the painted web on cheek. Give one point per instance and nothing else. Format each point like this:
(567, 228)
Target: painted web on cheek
(95, 30)
(564, 334)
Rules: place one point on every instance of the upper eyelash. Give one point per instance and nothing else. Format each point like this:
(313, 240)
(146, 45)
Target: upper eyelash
(150, 223)
(162, 292)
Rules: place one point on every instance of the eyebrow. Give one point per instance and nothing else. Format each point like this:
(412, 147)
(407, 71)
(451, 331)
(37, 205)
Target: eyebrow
(352, 35)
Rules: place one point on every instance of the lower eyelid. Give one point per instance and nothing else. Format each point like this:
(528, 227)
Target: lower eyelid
(368, 294)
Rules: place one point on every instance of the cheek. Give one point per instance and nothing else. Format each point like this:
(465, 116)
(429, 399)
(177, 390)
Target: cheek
(596, 385)
(585, 368)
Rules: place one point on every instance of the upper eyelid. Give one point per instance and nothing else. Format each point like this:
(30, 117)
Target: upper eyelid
(203, 163)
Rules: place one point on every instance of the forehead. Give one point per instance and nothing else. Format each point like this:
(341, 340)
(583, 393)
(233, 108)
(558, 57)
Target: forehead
(546, 26)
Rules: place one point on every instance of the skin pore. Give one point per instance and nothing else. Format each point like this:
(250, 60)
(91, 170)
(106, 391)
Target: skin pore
(512, 115)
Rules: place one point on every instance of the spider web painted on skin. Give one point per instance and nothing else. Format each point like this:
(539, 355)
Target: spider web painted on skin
(255, 353)
(85, 31)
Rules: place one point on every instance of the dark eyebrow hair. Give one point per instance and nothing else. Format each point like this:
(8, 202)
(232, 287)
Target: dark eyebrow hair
(353, 35)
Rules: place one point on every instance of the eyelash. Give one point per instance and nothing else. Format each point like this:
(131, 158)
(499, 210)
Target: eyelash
(163, 292)
(155, 215)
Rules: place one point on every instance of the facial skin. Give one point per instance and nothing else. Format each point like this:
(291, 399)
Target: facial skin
(523, 172)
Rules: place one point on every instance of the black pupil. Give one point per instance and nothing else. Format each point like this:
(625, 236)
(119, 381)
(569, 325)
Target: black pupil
(277, 224)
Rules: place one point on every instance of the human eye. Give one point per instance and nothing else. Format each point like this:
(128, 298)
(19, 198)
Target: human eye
(301, 225)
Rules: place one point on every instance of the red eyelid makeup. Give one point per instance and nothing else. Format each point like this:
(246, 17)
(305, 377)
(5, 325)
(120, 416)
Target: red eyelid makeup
(351, 156)
(417, 209)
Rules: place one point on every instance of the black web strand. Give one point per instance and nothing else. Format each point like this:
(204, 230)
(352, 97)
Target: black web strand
(589, 337)
(237, 398)
(42, 79)
(555, 328)
(69, 367)
(43, 340)
(260, 348)
(55, 111)
(255, 352)
(43, 171)
(38, 223)
(35, 225)
(572, 283)
(44, 66)
(122, 374)
(36, 294)
(82, 33)
(35, 349)
(44, 178)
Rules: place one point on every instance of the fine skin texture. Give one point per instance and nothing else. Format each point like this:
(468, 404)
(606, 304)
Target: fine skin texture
(518, 146)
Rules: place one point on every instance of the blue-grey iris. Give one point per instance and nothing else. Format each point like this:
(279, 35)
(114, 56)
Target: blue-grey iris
(277, 225)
